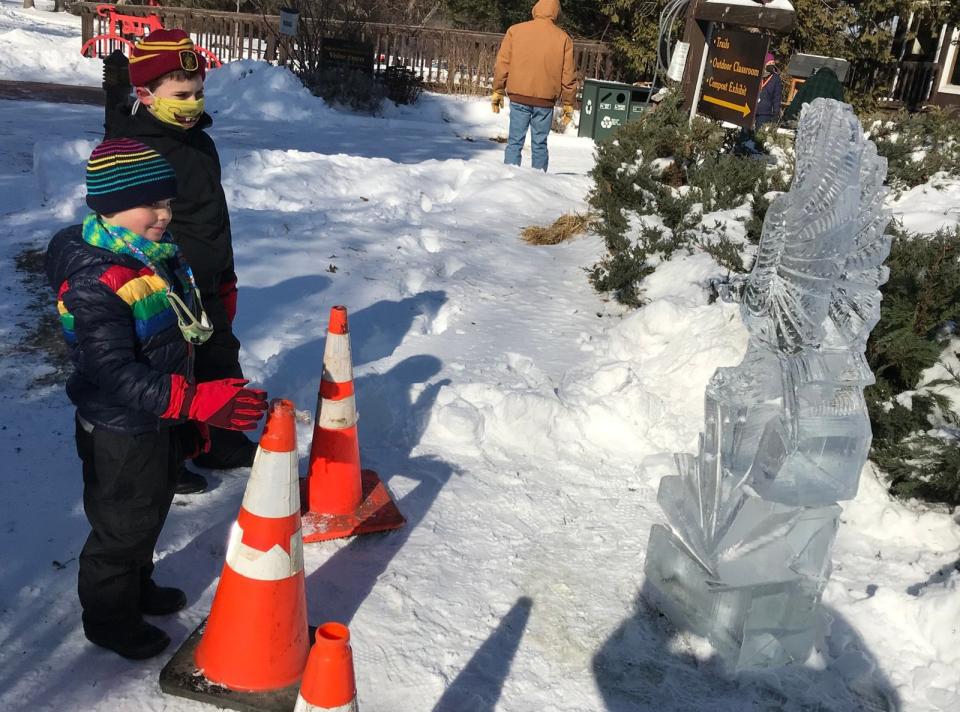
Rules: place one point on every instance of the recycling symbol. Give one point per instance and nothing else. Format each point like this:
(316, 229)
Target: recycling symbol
(606, 122)
(588, 109)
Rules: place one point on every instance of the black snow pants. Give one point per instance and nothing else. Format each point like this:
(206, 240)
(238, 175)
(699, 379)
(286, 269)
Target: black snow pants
(128, 484)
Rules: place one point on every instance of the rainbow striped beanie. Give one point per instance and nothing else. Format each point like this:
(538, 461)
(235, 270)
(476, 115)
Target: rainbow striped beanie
(123, 174)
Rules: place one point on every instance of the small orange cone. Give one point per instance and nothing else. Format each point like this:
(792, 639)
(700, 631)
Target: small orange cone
(341, 500)
(328, 682)
(256, 637)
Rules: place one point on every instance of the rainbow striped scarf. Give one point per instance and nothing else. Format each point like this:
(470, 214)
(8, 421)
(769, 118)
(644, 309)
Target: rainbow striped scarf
(123, 241)
(144, 290)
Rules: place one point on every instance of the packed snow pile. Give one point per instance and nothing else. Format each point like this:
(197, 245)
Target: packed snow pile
(250, 89)
(933, 206)
(43, 46)
(59, 170)
(506, 405)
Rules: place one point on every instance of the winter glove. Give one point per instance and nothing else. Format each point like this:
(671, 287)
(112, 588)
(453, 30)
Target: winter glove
(567, 115)
(496, 102)
(195, 439)
(228, 295)
(224, 404)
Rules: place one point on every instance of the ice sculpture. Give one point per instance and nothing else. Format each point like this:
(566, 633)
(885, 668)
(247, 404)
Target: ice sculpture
(753, 515)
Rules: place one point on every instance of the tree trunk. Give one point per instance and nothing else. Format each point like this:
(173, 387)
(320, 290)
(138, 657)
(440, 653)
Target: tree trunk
(27, 4)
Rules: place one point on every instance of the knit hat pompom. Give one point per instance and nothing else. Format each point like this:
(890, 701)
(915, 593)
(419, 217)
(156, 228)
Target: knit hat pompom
(162, 52)
(124, 174)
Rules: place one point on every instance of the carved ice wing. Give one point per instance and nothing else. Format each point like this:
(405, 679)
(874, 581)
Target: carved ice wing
(788, 294)
(855, 303)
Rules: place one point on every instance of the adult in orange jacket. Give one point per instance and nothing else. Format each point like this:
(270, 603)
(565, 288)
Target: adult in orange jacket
(534, 68)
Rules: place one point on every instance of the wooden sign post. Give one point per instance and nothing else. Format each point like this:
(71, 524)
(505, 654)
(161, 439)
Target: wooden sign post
(731, 80)
(707, 18)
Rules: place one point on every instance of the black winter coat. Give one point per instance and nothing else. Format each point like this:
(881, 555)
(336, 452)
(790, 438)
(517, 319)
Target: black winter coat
(122, 364)
(201, 223)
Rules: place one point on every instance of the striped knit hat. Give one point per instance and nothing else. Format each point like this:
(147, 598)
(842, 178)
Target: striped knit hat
(162, 52)
(123, 174)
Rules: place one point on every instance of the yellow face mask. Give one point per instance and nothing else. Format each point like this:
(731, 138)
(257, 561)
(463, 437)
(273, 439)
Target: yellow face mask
(168, 110)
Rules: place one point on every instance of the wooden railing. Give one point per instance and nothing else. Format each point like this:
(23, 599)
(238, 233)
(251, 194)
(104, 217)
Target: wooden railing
(913, 83)
(445, 59)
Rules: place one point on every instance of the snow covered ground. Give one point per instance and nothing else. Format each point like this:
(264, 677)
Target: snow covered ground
(504, 402)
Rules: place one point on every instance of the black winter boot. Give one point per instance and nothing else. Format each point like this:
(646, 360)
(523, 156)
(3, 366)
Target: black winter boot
(190, 482)
(161, 600)
(135, 642)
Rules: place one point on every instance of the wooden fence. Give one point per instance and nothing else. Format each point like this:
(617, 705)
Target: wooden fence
(913, 84)
(446, 60)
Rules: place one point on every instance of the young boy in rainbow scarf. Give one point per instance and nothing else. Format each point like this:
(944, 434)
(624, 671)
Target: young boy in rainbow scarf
(132, 315)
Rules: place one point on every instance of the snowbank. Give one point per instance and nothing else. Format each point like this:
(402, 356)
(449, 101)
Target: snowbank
(259, 91)
(42, 46)
(933, 206)
(60, 172)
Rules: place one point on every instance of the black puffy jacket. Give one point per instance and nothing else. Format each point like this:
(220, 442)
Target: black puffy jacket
(123, 355)
(201, 222)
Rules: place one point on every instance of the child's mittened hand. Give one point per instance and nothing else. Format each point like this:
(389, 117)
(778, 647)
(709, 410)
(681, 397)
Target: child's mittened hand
(195, 438)
(225, 403)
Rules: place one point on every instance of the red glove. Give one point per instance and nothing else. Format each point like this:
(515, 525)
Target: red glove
(228, 295)
(195, 438)
(224, 404)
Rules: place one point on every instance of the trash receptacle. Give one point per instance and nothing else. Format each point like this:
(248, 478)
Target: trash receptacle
(638, 102)
(606, 105)
(588, 107)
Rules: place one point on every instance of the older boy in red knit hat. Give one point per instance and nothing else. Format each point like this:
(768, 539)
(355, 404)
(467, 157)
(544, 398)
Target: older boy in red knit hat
(167, 73)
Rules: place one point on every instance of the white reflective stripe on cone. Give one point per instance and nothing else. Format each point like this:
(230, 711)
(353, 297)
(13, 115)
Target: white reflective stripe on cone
(304, 706)
(337, 414)
(272, 565)
(337, 366)
(319, 406)
(274, 487)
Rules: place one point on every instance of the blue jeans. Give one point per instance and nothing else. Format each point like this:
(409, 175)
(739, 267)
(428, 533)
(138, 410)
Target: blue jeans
(539, 119)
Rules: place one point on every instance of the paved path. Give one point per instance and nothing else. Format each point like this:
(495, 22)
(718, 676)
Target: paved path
(61, 93)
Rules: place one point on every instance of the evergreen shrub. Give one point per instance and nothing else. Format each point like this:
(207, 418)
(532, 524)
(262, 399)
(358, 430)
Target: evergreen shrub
(402, 85)
(666, 166)
(916, 145)
(916, 432)
(351, 88)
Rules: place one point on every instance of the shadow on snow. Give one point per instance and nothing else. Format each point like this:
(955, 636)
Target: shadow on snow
(640, 667)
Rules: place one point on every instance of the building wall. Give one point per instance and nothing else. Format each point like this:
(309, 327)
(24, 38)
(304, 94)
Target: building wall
(946, 91)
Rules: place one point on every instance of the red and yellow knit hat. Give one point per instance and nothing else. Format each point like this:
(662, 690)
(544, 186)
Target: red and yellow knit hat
(162, 52)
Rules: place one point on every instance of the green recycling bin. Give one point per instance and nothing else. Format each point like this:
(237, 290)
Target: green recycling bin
(638, 102)
(606, 105)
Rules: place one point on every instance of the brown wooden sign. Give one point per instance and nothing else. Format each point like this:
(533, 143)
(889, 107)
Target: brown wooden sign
(342, 54)
(731, 80)
(776, 15)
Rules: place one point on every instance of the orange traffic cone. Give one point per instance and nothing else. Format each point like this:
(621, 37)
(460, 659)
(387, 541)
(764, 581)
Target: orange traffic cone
(256, 637)
(328, 682)
(341, 499)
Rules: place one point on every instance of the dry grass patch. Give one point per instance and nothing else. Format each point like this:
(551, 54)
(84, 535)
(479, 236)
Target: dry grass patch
(564, 228)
